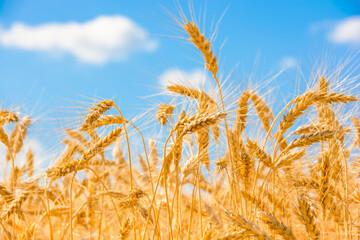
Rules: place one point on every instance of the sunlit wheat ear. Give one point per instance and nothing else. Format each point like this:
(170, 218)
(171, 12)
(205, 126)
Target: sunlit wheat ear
(4, 138)
(164, 112)
(251, 228)
(263, 111)
(289, 159)
(131, 199)
(154, 157)
(235, 234)
(311, 128)
(7, 117)
(144, 167)
(308, 139)
(69, 153)
(325, 178)
(102, 144)
(118, 154)
(173, 155)
(256, 151)
(303, 102)
(356, 123)
(203, 45)
(108, 120)
(308, 216)
(258, 202)
(125, 229)
(203, 139)
(241, 113)
(76, 135)
(14, 207)
(7, 195)
(208, 233)
(190, 166)
(185, 91)
(18, 135)
(67, 167)
(278, 227)
(200, 121)
(95, 112)
(30, 163)
(323, 84)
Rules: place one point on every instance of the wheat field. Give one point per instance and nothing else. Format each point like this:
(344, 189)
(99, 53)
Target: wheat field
(223, 168)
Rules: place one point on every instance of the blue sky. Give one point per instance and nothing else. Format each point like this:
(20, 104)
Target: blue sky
(55, 54)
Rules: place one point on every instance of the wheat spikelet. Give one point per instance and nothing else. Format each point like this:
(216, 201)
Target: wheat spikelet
(78, 136)
(118, 154)
(308, 139)
(278, 227)
(323, 84)
(18, 135)
(154, 157)
(185, 91)
(203, 145)
(125, 229)
(173, 155)
(215, 129)
(257, 152)
(308, 217)
(241, 113)
(14, 206)
(144, 167)
(4, 138)
(288, 159)
(61, 170)
(233, 235)
(201, 121)
(203, 45)
(66, 167)
(208, 233)
(325, 178)
(258, 202)
(132, 198)
(164, 111)
(303, 102)
(190, 166)
(263, 111)
(95, 112)
(332, 98)
(69, 153)
(221, 164)
(7, 117)
(30, 163)
(315, 127)
(356, 123)
(235, 153)
(250, 227)
(107, 120)
(102, 144)
(8, 196)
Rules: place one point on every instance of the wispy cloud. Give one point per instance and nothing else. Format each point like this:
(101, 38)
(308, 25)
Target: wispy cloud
(97, 41)
(195, 78)
(288, 62)
(41, 155)
(346, 31)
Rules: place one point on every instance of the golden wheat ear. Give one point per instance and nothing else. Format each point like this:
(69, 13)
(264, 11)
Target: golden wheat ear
(7, 117)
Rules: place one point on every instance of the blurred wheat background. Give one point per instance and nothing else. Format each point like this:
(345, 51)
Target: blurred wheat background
(204, 159)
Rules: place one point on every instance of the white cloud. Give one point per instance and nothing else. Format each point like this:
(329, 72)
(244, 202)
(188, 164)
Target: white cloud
(195, 78)
(288, 62)
(346, 31)
(41, 156)
(97, 41)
